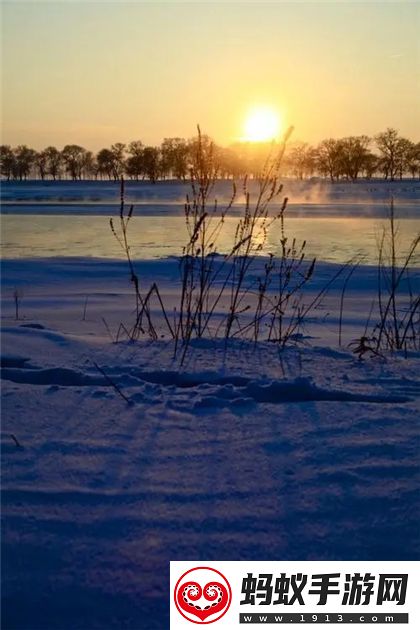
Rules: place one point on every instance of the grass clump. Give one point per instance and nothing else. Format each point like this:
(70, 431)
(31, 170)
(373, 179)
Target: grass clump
(398, 327)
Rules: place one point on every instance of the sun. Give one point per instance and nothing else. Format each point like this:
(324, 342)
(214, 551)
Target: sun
(261, 125)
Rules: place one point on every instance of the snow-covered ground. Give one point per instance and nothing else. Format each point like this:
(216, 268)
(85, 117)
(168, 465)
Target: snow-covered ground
(241, 452)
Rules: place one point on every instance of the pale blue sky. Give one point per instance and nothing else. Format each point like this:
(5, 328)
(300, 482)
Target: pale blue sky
(101, 72)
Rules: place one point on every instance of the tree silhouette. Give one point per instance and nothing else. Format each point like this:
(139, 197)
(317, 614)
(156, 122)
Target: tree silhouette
(41, 162)
(403, 152)
(387, 143)
(413, 159)
(106, 163)
(74, 158)
(54, 160)
(329, 156)
(150, 166)
(346, 158)
(302, 159)
(89, 166)
(7, 162)
(174, 157)
(354, 153)
(134, 163)
(118, 152)
(24, 161)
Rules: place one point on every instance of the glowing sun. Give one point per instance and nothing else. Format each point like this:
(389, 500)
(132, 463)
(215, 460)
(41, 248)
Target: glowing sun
(261, 125)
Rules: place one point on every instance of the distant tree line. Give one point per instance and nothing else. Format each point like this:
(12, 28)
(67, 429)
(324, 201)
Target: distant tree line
(387, 155)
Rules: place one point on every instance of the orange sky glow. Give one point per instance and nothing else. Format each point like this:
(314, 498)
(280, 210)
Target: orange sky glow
(95, 73)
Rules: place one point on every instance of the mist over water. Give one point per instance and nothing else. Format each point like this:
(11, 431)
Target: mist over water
(338, 221)
(313, 191)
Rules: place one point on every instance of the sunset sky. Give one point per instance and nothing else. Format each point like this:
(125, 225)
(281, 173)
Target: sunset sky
(94, 73)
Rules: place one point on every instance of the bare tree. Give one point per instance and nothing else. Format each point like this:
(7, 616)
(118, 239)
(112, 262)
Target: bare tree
(387, 143)
(329, 158)
(150, 165)
(54, 161)
(134, 163)
(24, 161)
(230, 163)
(302, 160)
(74, 158)
(41, 161)
(413, 159)
(118, 152)
(402, 160)
(174, 157)
(89, 166)
(106, 163)
(354, 152)
(7, 161)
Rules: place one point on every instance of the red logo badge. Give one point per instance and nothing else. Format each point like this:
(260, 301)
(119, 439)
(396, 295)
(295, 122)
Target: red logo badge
(202, 595)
